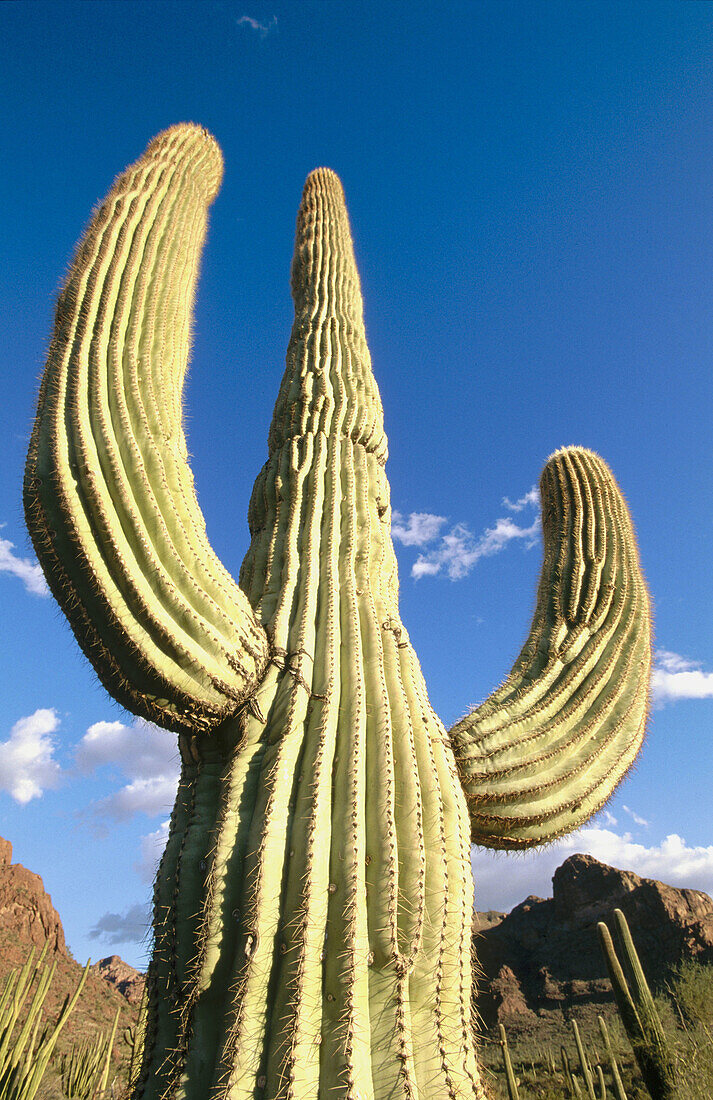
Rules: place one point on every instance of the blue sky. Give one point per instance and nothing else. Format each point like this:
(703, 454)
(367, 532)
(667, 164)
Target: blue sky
(530, 187)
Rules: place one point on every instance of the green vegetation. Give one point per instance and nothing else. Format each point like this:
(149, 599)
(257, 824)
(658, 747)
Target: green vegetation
(84, 1071)
(30, 1066)
(682, 1029)
(25, 1045)
(313, 908)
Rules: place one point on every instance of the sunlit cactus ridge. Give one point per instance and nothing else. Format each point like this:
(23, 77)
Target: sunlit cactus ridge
(312, 910)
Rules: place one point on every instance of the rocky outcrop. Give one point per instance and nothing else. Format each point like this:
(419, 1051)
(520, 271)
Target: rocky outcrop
(128, 981)
(28, 920)
(545, 954)
(26, 910)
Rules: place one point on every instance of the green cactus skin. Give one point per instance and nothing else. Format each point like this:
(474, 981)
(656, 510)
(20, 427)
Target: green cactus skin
(312, 910)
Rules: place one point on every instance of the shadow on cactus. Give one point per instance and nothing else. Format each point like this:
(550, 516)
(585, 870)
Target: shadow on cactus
(312, 911)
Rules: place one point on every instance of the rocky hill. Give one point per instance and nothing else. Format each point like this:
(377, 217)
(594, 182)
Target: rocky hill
(28, 919)
(544, 956)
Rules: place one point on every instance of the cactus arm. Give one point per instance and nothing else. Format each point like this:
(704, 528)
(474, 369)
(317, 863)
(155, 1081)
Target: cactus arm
(109, 494)
(548, 748)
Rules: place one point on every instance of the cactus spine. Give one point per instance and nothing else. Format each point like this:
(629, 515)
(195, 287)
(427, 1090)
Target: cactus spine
(312, 910)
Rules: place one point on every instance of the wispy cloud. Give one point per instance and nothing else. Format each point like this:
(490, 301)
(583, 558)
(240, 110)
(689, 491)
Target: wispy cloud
(636, 818)
(675, 677)
(417, 530)
(27, 764)
(26, 569)
(132, 926)
(263, 29)
(530, 500)
(458, 550)
(503, 880)
(144, 755)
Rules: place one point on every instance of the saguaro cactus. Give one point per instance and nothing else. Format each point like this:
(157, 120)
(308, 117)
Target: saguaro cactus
(312, 912)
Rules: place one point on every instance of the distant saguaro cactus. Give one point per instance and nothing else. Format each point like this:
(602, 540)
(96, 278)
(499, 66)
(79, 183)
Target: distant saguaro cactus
(312, 911)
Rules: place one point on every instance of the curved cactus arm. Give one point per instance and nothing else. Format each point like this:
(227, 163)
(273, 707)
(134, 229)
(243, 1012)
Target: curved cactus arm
(547, 749)
(109, 494)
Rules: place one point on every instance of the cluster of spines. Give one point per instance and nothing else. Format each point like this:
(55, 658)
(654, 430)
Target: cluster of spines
(109, 494)
(548, 748)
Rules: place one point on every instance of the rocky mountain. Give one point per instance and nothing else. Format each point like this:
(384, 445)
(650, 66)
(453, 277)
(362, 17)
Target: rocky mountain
(544, 956)
(124, 978)
(26, 911)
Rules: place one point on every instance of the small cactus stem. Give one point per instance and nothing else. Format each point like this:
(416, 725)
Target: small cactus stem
(583, 1061)
(548, 748)
(109, 496)
(570, 1080)
(601, 1082)
(510, 1078)
(616, 1076)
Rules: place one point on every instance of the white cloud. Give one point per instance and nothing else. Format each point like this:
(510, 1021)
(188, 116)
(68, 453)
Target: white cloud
(26, 569)
(673, 662)
(422, 567)
(27, 766)
(144, 755)
(152, 846)
(131, 926)
(675, 677)
(418, 529)
(143, 796)
(458, 550)
(502, 879)
(263, 29)
(530, 500)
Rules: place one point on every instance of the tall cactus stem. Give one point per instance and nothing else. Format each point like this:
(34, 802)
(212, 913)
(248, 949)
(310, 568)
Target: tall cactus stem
(510, 1079)
(638, 1011)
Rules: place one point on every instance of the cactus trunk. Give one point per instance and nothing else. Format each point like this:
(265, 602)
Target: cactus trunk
(313, 909)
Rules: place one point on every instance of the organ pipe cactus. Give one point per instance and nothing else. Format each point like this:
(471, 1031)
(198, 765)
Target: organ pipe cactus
(312, 910)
